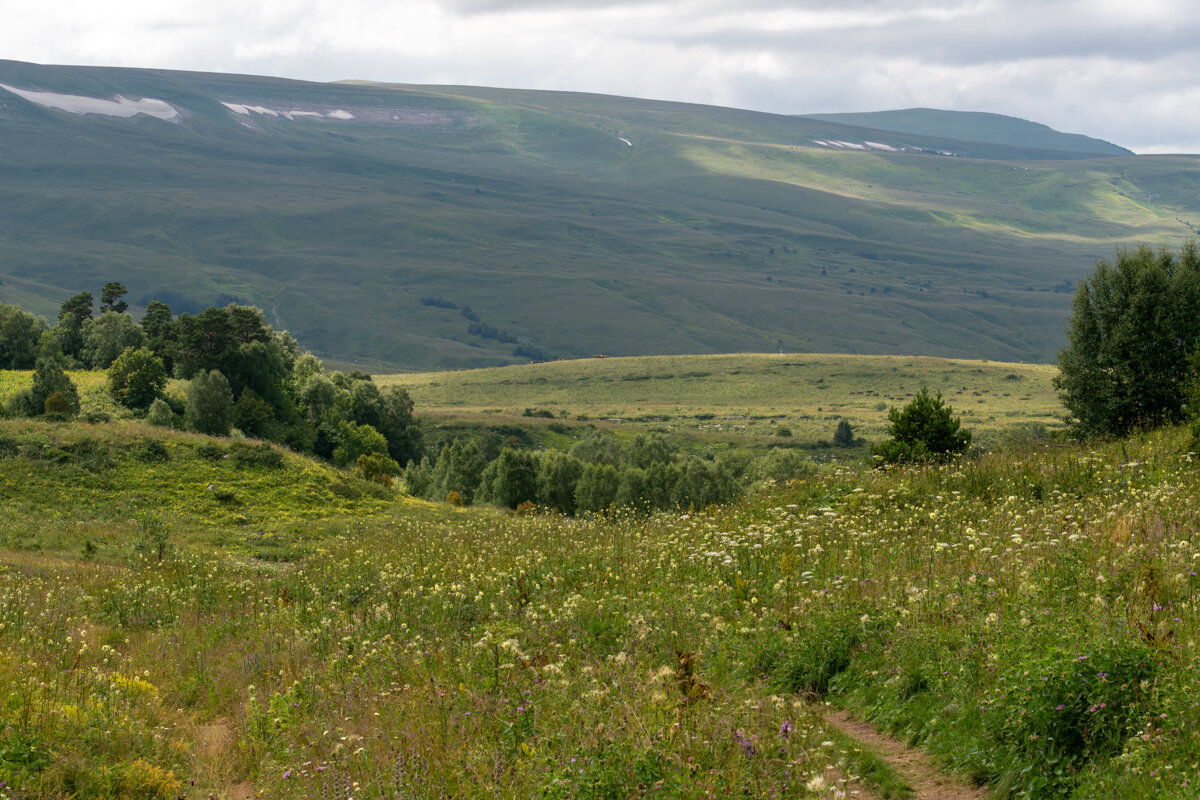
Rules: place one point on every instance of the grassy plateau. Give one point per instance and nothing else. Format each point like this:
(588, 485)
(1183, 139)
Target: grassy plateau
(183, 616)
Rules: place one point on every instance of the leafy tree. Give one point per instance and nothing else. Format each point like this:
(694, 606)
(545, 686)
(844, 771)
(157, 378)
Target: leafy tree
(73, 314)
(159, 328)
(209, 404)
(252, 414)
(107, 336)
(597, 487)
(651, 449)
(1133, 327)
(925, 430)
(458, 468)
(136, 378)
(399, 426)
(318, 397)
(160, 414)
(49, 379)
(557, 478)
(599, 447)
(110, 298)
(509, 480)
(19, 336)
(356, 440)
(631, 489)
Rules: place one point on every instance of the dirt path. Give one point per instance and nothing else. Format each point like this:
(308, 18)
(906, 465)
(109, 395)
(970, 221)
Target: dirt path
(927, 780)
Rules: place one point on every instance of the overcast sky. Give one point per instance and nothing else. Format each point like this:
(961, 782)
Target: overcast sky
(1123, 70)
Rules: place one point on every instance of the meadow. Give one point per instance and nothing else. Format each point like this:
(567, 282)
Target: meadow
(186, 616)
(740, 400)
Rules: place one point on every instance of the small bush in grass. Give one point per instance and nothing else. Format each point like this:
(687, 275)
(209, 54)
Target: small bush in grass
(454, 498)
(820, 652)
(260, 455)
(377, 468)
(924, 430)
(160, 414)
(152, 451)
(1062, 711)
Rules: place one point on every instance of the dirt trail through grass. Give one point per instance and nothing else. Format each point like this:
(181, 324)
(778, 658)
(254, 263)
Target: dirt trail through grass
(927, 780)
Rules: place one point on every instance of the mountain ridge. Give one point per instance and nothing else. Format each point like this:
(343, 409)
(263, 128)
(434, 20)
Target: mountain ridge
(566, 224)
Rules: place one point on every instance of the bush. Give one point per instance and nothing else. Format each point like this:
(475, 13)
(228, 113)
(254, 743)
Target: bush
(49, 378)
(377, 468)
(1055, 716)
(844, 435)
(260, 455)
(160, 414)
(925, 430)
(136, 378)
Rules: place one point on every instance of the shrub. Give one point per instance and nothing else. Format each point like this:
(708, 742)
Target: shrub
(160, 414)
(259, 455)
(377, 468)
(925, 430)
(1056, 715)
(49, 378)
(844, 435)
(136, 378)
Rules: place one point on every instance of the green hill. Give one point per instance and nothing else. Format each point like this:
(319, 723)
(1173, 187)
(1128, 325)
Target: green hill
(367, 218)
(975, 126)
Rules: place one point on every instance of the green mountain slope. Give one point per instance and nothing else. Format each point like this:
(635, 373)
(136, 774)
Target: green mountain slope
(570, 224)
(975, 126)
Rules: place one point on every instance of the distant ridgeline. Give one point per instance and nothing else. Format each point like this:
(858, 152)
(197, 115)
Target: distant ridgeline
(402, 227)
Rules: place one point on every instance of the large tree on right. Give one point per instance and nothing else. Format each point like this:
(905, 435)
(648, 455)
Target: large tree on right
(1134, 326)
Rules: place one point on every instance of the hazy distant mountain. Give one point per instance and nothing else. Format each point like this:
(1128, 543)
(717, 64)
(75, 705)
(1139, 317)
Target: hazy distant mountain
(408, 226)
(975, 126)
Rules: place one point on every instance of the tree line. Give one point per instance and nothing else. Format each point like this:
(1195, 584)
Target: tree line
(240, 373)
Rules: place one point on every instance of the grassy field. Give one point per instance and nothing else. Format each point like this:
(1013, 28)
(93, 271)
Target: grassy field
(743, 398)
(717, 231)
(186, 617)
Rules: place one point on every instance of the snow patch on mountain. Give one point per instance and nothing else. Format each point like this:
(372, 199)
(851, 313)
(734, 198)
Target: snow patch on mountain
(78, 104)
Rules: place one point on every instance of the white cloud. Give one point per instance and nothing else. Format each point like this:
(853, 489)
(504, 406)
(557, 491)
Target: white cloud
(1121, 71)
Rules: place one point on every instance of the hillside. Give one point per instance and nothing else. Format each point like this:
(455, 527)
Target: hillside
(367, 218)
(187, 617)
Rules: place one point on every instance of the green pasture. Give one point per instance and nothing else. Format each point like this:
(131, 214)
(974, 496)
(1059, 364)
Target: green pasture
(742, 397)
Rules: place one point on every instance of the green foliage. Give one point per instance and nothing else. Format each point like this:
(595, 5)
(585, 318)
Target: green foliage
(110, 298)
(1134, 325)
(137, 378)
(597, 488)
(209, 404)
(49, 379)
(107, 336)
(557, 480)
(377, 468)
(510, 479)
(924, 430)
(1064, 710)
(844, 435)
(19, 337)
(253, 415)
(355, 440)
(160, 414)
